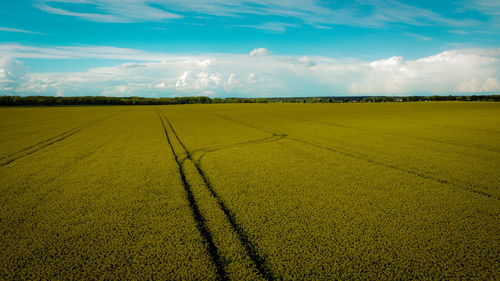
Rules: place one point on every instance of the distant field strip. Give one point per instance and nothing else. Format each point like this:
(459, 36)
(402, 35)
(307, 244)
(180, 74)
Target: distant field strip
(365, 158)
(50, 141)
(258, 260)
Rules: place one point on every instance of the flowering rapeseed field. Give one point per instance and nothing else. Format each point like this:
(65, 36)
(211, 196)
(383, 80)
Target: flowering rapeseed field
(251, 192)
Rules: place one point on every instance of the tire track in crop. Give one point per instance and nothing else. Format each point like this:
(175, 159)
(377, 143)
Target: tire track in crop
(260, 262)
(42, 142)
(408, 171)
(205, 151)
(249, 125)
(479, 147)
(243, 143)
(198, 217)
(60, 173)
(369, 160)
(50, 141)
(394, 135)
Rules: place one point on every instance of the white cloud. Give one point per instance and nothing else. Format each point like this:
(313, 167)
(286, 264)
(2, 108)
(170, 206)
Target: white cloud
(161, 85)
(190, 81)
(275, 27)
(454, 71)
(459, 32)
(8, 29)
(12, 74)
(388, 64)
(490, 84)
(420, 37)
(491, 7)
(251, 78)
(130, 65)
(206, 63)
(305, 61)
(110, 11)
(232, 80)
(366, 13)
(208, 93)
(259, 52)
(78, 52)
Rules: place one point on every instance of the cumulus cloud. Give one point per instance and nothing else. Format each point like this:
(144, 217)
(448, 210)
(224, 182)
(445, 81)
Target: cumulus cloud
(453, 71)
(191, 81)
(305, 61)
(475, 85)
(259, 52)
(12, 74)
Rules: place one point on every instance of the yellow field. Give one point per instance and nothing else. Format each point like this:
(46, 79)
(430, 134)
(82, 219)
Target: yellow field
(251, 191)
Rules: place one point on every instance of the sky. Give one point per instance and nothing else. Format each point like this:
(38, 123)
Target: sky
(249, 48)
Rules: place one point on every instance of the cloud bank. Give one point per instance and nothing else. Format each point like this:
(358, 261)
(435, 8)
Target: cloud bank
(260, 73)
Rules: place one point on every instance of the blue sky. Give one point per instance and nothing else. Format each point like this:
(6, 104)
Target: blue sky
(249, 48)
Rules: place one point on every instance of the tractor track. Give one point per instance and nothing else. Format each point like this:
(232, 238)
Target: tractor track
(50, 141)
(369, 160)
(201, 224)
(240, 144)
(392, 135)
(259, 261)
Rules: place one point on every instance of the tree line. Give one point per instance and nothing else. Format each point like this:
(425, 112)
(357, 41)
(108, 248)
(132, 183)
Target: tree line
(102, 100)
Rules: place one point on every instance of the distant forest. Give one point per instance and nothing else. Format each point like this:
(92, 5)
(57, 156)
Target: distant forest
(101, 100)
